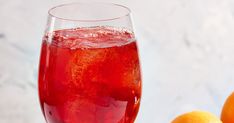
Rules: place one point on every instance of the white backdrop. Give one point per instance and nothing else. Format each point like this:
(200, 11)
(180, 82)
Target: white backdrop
(186, 49)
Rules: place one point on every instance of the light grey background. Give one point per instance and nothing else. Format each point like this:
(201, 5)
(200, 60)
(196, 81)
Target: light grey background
(186, 49)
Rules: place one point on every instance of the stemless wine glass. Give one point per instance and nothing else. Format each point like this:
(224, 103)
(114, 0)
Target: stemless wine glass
(89, 68)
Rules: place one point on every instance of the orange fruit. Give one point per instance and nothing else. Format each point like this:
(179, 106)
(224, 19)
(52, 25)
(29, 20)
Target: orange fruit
(227, 115)
(197, 117)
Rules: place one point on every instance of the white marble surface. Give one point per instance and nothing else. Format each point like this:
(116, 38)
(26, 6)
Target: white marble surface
(186, 49)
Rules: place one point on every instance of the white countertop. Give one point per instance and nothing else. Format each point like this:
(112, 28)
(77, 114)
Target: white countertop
(186, 49)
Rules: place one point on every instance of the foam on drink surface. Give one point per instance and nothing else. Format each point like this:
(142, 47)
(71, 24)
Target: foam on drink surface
(91, 37)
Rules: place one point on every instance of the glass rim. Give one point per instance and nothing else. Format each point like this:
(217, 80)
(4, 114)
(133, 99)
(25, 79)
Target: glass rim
(128, 12)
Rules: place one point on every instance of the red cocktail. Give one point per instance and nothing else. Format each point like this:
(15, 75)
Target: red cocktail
(90, 75)
(89, 68)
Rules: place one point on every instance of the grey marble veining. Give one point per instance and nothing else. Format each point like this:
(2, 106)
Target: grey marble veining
(186, 49)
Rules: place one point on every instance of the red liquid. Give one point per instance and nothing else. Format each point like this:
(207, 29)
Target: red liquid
(89, 75)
